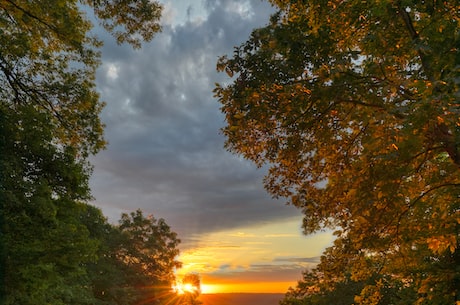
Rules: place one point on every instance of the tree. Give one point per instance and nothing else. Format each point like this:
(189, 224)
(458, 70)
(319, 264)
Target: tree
(136, 259)
(48, 59)
(42, 185)
(49, 120)
(353, 105)
(106, 279)
(189, 290)
(147, 250)
(325, 284)
(192, 280)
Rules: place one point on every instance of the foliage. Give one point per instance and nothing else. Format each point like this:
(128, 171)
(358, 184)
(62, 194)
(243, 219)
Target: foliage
(55, 248)
(48, 59)
(353, 105)
(191, 289)
(148, 248)
(49, 124)
(136, 259)
(41, 235)
(128, 21)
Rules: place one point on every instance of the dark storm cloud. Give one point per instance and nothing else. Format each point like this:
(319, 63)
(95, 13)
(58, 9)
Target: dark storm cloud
(165, 153)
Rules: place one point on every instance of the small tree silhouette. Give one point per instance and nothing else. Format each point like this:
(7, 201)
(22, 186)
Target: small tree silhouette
(191, 289)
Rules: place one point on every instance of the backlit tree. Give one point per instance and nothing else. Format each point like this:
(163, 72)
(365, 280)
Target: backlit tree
(353, 106)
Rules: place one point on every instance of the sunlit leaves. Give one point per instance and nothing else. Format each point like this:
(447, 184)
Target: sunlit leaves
(353, 105)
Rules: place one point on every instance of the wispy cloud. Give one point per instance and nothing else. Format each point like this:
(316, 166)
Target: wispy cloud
(312, 260)
(280, 235)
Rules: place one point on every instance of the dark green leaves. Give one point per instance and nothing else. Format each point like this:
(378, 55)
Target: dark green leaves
(49, 125)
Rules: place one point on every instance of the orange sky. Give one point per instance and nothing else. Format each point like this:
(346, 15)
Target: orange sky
(263, 259)
(253, 287)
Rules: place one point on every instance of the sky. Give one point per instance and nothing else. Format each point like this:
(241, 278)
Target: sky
(166, 154)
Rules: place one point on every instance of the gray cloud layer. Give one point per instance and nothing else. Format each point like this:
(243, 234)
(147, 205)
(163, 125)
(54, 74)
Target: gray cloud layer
(165, 153)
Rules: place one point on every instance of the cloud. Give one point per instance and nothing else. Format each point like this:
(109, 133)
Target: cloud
(283, 235)
(257, 273)
(280, 270)
(312, 260)
(165, 152)
(242, 235)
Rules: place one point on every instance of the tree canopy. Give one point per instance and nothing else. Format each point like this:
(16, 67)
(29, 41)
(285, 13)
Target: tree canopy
(353, 106)
(55, 248)
(136, 259)
(189, 290)
(48, 59)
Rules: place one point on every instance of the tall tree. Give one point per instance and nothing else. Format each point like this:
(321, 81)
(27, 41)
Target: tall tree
(49, 120)
(354, 107)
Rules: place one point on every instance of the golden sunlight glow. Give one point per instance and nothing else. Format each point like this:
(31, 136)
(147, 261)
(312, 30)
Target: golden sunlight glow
(253, 259)
(210, 288)
(185, 288)
(252, 287)
(243, 287)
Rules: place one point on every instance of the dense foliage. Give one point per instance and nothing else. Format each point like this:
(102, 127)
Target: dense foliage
(353, 106)
(48, 59)
(42, 188)
(190, 290)
(55, 248)
(135, 260)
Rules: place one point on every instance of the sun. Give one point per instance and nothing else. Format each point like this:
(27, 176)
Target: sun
(182, 288)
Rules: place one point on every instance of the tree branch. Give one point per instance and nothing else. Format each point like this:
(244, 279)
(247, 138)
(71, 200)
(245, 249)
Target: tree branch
(414, 35)
(51, 27)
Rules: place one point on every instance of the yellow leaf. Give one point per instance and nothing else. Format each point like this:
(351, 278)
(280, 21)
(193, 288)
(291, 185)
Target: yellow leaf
(441, 243)
(433, 244)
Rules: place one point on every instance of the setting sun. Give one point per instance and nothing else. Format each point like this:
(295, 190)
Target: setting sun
(185, 288)
(253, 259)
